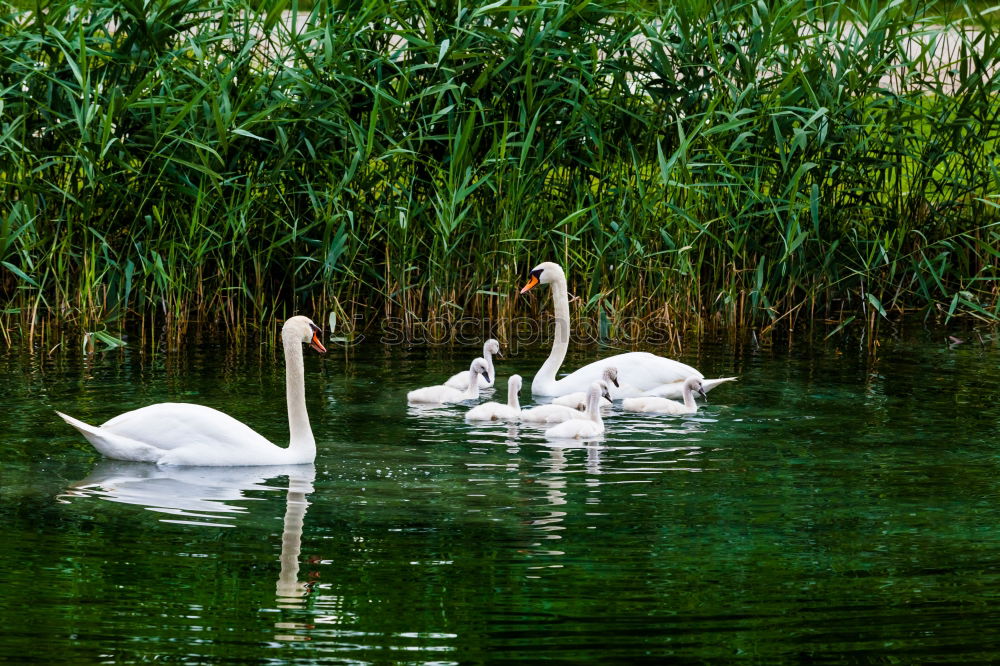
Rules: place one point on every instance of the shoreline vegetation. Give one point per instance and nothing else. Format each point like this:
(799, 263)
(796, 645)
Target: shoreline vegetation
(740, 165)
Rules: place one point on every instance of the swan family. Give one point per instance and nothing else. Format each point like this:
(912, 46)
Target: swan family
(642, 373)
(190, 434)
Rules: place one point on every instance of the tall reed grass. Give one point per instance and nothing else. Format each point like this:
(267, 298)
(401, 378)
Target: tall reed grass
(741, 163)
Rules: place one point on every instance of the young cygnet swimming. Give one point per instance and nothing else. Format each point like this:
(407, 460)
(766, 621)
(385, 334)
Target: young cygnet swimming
(665, 406)
(551, 414)
(460, 380)
(443, 394)
(588, 427)
(674, 391)
(495, 411)
(578, 400)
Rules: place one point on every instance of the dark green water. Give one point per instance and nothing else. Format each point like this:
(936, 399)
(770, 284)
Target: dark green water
(828, 507)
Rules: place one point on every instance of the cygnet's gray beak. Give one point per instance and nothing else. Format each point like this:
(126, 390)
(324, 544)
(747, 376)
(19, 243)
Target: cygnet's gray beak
(606, 395)
(701, 392)
(614, 380)
(486, 373)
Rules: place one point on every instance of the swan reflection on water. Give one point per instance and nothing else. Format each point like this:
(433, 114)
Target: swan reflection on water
(206, 496)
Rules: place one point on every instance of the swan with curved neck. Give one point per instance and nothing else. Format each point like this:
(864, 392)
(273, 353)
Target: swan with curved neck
(656, 405)
(495, 411)
(173, 433)
(460, 380)
(588, 427)
(441, 394)
(645, 372)
(578, 399)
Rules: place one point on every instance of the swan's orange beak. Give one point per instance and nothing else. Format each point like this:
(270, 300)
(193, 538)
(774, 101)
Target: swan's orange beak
(316, 344)
(531, 283)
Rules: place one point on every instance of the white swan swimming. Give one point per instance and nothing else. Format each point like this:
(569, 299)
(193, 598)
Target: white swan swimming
(173, 433)
(578, 400)
(495, 411)
(558, 413)
(663, 405)
(645, 372)
(586, 428)
(460, 380)
(442, 394)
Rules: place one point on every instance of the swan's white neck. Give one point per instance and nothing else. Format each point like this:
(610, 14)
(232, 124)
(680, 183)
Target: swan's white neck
(301, 441)
(472, 392)
(289, 590)
(689, 398)
(512, 400)
(594, 407)
(488, 355)
(560, 303)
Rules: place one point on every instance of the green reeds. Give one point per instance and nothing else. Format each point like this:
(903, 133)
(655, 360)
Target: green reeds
(747, 164)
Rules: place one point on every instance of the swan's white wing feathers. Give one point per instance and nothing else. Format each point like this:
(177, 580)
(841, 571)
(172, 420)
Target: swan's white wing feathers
(460, 380)
(113, 445)
(172, 425)
(676, 390)
(575, 429)
(578, 400)
(436, 395)
(640, 369)
(656, 406)
(181, 434)
(551, 414)
(573, 400)
(492, 411)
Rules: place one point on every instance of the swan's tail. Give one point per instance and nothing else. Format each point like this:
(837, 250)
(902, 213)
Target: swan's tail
(675, 390)
(112, 445)
(709, 384)
(85, 429)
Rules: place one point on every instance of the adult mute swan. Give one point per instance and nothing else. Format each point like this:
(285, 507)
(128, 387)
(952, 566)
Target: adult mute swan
(172, 433)
(441, 394)
(495, 411)
(578, 400)
(558, 413)
(586, 428)
(645, 372)
(664, 406)
(460, 380)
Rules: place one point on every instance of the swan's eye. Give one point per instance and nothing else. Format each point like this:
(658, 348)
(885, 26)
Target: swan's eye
(537, 273)
(315, 328)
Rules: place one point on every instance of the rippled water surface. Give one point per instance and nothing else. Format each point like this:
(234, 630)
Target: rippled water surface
(828, 506)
